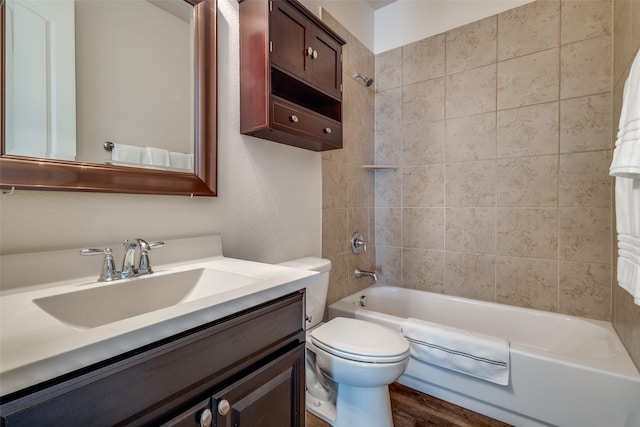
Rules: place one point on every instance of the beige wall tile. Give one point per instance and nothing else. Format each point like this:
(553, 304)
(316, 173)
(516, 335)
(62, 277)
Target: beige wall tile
(528, 131)
(471, 138)
(585, 67)
(423, 186)
(585, 290)
(388, 188)
(526, 282)
(470, 275)
(584, 179)
(334, 231)
(389, 265)
(388, 109)
(585, 19)
(528, 181)
(623, 34)
(357, 144)
(423, 143)
(527, 232)
(585, 123)
(423, 101)
(471, 92)
(529, 28)
(423, 228)
(472, 45)
(470, 230)
(337, 277)
(358, 186)
(471, 184)
(527, 80)
(423, 60)
(423, 269)
(388, 70)
(584, 234)
(389, 226)
(334, 184)
(627, 322)
(388, 146)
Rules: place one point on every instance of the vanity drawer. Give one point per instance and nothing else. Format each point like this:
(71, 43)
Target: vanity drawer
(297, 120)
(157, 382)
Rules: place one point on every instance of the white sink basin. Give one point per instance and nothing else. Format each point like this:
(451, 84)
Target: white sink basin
(114, 301)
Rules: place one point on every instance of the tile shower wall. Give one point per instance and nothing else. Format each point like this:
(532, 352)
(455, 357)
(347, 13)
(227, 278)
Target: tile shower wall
(626, 42)
(347, 188)
(501, 131)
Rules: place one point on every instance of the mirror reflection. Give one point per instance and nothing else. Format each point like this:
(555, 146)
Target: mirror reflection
(101, 81)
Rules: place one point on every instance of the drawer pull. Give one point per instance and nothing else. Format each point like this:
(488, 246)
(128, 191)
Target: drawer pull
(293, 118)
(315, 54)
(206, 417)
(309, 51)
(224, 407)
(326, 130)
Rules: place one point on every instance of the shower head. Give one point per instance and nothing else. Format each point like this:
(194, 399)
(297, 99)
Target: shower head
(366, 81)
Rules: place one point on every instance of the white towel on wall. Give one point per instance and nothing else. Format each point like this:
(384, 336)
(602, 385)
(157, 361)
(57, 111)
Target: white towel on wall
(157, 157)
(128, 153)
(481, 356)
(626, 168)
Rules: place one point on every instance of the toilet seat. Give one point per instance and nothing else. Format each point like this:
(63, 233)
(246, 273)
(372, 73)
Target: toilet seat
(360, 341)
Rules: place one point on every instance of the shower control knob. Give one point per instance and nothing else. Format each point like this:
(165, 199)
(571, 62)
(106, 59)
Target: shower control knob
(293, 118)
(327, 130)
(224, 407)
(206, 418)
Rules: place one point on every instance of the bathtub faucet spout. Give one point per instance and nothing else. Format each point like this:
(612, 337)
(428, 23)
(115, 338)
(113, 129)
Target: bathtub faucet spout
(359, 273)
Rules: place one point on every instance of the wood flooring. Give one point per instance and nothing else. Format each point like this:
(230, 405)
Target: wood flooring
(411, 408)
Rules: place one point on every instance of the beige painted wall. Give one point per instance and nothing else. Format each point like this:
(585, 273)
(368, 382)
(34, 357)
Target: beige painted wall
(269, 206)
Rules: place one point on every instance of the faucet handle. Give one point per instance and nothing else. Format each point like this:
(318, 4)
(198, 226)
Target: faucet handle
(144, 267)
(108, 272)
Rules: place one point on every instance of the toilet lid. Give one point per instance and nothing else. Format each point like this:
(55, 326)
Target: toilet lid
(360, 341)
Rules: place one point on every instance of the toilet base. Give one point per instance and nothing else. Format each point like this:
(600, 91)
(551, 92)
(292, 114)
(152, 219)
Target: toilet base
(356, 406)
(363, 406)
(322, 409)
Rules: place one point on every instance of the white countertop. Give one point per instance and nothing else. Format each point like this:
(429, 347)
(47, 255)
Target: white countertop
(35, 346)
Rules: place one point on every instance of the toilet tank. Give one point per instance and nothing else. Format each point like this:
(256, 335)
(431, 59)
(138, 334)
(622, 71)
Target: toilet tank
(316, 294)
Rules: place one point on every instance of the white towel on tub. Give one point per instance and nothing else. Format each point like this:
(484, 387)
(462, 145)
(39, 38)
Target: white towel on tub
(478, 355)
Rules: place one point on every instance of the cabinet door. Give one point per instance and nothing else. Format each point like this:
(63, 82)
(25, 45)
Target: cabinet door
(288, 29)
(198, 416)
(326, 62)
(271, 396)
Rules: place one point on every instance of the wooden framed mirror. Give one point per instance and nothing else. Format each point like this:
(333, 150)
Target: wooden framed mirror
(22, 172)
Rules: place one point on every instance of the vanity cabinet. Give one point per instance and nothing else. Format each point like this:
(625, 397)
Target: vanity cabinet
(290, 75)
(243, 370)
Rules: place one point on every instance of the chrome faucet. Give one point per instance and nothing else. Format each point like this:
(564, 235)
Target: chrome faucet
(128, 262)
(129, 269)
(359, 273)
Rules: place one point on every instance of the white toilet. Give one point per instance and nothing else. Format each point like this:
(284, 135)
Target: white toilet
(350, 362)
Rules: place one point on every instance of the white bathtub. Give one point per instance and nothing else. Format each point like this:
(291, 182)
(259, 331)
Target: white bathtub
(565, 370)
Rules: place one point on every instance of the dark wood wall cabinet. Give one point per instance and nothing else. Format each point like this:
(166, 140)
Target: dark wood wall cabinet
(243, 370)
(290, 75)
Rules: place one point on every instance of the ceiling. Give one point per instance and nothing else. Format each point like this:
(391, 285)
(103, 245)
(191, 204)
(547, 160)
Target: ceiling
(377, 4)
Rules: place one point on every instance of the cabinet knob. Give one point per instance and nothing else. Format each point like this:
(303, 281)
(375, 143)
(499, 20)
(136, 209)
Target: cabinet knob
(206, 418)
(315, 54)
(293, 118)
(309, 51)
(224, 407)
(326, 130)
